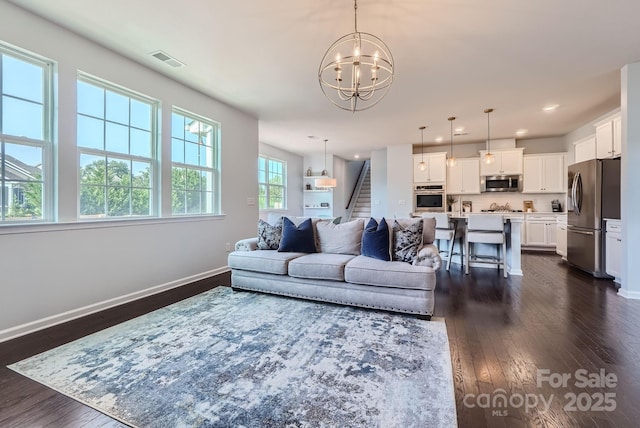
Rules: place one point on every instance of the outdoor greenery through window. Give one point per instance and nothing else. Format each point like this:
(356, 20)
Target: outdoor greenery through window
(25, 136)
(272, 178)
(195, 180)
(116, 135)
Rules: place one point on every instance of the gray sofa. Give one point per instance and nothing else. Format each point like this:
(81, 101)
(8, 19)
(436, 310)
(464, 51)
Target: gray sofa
(349, 279)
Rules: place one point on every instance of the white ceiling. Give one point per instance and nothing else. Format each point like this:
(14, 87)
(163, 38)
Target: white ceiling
(453, 58)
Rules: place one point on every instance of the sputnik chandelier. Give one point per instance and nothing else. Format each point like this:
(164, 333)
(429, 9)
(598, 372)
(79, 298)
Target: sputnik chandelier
(356, 72)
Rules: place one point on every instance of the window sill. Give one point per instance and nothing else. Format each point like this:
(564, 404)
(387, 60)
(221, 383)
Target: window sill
(20, 228)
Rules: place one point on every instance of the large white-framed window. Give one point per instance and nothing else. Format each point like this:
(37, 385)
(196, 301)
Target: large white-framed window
(272, 183)
(117, 137)
(26, 136)
(195, 164)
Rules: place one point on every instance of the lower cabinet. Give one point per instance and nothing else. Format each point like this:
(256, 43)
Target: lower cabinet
(561, 236)
(540, 231)
(613, 248)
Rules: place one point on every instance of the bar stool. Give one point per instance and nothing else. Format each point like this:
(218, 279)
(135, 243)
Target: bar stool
(486, 229)
(450, 231)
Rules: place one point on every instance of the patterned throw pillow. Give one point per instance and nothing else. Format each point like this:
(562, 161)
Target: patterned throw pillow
(406, 241)
(269, 235)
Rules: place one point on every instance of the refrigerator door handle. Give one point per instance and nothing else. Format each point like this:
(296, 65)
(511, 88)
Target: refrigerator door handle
(581, 232)
(576, 189)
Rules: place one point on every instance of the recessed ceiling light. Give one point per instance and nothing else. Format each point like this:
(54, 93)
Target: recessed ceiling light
(521, 132)
(439, 139)
(312, 137)
(356, 156)
(459, 129)
(551, 107)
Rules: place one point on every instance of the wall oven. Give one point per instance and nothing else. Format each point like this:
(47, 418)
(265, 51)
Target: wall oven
(428, 198)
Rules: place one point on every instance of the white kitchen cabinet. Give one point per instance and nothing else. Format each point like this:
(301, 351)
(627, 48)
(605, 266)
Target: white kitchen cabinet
(506, 162)
(608, 138)
(540, 231)
(435, 171)
(464, 177)
(544, 173)
(561, 235)
(613, 248)
(585, 149)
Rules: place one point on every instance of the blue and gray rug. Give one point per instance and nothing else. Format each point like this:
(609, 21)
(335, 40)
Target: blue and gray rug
(232, 359)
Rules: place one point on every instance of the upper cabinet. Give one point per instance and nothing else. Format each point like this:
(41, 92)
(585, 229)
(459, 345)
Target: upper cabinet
(506, 162)
(609, 137)
(435, 171)
(464, 177)
(544, 173)
(585, 149)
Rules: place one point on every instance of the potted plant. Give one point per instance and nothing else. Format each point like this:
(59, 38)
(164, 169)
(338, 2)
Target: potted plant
(450, 201)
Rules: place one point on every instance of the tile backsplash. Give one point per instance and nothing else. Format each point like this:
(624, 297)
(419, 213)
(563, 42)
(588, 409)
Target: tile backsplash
(541, 201)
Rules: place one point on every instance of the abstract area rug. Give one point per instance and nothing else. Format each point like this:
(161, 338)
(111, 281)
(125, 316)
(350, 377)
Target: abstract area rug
(225, 358)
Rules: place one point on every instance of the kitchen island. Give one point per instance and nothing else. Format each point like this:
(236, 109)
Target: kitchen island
(513, 231)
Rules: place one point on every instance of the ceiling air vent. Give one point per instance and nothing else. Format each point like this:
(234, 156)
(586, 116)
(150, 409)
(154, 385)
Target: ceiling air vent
(164, 57)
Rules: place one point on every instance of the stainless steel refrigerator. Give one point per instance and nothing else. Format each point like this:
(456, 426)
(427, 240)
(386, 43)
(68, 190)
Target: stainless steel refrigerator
(593, 195)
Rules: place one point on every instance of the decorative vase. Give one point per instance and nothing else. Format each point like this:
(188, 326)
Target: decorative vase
(309, 172)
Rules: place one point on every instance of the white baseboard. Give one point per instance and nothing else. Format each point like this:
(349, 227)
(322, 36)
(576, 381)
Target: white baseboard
(33, 326)
(635, 295)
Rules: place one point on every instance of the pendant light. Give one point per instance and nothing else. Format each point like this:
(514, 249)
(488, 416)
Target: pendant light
(325, 181)
(451, 160)
(422, 165)
(488, 157)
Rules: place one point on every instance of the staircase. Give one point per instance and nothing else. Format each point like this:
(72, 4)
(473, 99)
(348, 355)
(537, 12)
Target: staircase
(362, 207)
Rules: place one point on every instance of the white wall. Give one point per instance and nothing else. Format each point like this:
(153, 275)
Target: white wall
(379, 183)
(294, 179)
(399, 181)
(53, 273)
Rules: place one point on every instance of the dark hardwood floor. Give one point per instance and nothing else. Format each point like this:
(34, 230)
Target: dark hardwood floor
(504, 334)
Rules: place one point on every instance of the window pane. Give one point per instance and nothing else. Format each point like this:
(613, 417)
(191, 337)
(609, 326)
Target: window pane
(117, 138)
(118, 172)
(22, 118)
(140, 202)
(90, 133)
(191, 154)
(30, 156)
(118, 201)
(117, 108)
(23, 200)
(140, 143)
(191, 131)
(193, 202)
(193, 179)
(177, 126)
(177, 150)
(22, 79)
(93, 170)
(141, 174)
(92, 201)
(205, 158)
(207, 180)
(90, 100)
(140, 115)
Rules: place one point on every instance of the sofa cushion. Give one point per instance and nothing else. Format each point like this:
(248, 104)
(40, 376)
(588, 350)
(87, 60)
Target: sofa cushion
(299, 239)
(269, 235)
(343, 238)
(320, 266)
(369, 271)
(406, 241)
(375, 240)
(268, 261)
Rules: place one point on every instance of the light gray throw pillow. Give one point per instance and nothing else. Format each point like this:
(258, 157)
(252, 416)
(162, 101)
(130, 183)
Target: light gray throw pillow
(343, 238)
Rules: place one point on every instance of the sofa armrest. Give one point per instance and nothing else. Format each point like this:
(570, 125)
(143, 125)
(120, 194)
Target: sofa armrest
(247, 244)
(428, 256)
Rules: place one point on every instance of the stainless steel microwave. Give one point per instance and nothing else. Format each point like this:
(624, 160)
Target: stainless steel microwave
(501, 183)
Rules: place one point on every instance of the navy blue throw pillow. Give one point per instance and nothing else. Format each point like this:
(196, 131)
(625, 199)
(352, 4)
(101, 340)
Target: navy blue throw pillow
(375, 240)
(297, 239)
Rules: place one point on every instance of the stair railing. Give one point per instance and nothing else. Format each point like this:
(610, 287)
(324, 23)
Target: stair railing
(356, 190)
